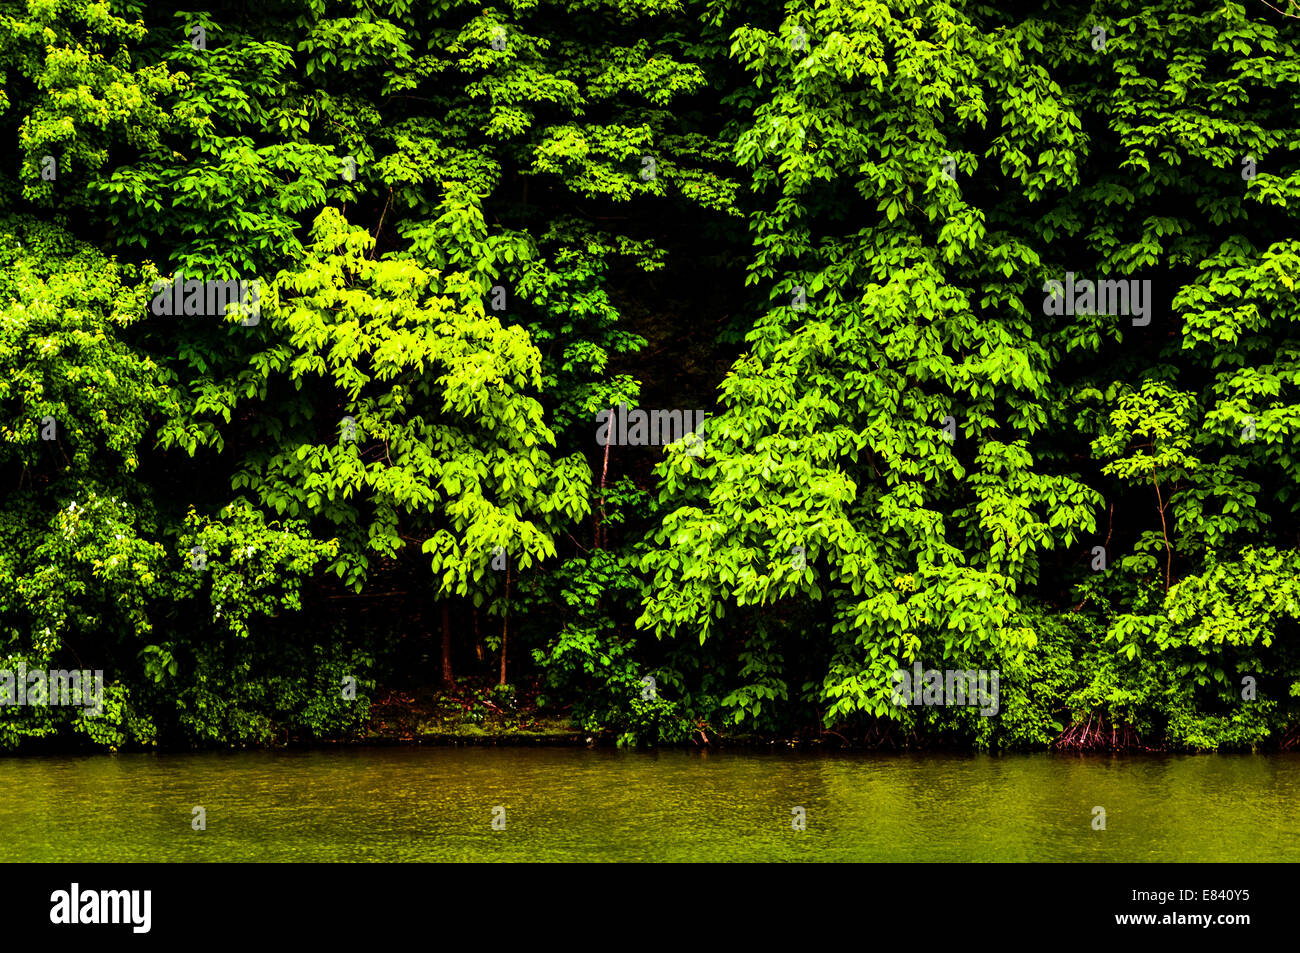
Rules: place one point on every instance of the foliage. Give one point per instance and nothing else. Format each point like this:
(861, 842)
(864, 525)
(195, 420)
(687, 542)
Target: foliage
(842, 229)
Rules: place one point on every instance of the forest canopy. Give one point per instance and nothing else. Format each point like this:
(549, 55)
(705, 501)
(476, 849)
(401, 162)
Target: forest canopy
(684, 370)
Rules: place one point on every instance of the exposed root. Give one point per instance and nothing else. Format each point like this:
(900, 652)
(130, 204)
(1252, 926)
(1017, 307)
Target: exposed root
(1096, 735)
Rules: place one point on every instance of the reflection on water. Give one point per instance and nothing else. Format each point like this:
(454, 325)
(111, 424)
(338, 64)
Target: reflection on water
(436, 804)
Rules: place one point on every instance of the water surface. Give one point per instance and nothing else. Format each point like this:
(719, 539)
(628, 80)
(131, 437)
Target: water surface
(565, 804)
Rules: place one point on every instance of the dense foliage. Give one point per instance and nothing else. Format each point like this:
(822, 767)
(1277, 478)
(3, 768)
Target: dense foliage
(864, 236)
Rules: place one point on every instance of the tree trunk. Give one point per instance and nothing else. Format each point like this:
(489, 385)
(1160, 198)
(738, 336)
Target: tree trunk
(599, 515)
(505, 622)
(448, 677)
(503, 655)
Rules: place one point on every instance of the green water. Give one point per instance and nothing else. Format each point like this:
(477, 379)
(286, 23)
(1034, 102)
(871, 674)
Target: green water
(436, 804)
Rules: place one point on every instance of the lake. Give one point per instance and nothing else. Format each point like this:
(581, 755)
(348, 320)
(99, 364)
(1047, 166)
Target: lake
(575, 804)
